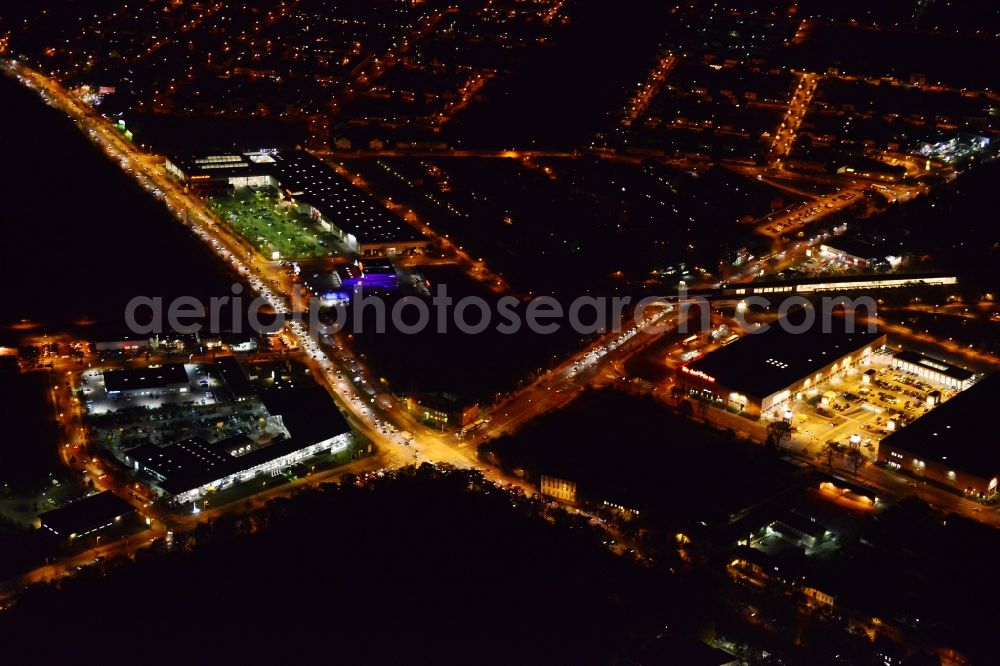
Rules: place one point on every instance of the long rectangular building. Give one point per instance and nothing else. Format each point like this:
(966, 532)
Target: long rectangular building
(86, 516)
(761, 371)
(842, 283)
(171, 377)
(933, 370)
(952, 443)
(336, 205)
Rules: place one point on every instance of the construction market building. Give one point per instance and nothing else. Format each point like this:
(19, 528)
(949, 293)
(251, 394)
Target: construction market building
(762, 371)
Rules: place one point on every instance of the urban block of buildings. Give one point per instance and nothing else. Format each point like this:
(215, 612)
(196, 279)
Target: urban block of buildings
(188, 470)
(443, 410)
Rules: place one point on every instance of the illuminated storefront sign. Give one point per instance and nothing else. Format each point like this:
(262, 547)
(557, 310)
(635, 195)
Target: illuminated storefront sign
(698, 373)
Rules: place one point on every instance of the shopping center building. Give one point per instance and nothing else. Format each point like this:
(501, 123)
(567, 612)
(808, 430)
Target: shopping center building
(762, 371)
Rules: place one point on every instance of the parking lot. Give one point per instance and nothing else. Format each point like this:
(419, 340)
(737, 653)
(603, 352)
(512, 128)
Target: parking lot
(270, 226)
(205, 410)
(858, 408)
(806, 213)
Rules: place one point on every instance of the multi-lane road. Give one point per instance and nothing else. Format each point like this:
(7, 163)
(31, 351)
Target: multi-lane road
(784, 138)
(400, 439)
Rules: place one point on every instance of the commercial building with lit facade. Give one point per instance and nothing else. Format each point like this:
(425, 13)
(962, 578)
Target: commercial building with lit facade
(933, 370)
(762, 371)
(327, 198)
(338, 284)
(857, 253)
(952, 444)
(552, 486)
(191, 469)
(828, 283)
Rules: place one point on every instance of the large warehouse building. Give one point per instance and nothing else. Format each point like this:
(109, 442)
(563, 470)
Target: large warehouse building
(761, 371)
(951, 444)
(86, 516)
(338, 207)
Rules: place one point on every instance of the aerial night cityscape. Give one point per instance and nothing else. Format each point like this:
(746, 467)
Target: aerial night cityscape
(500, 332)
